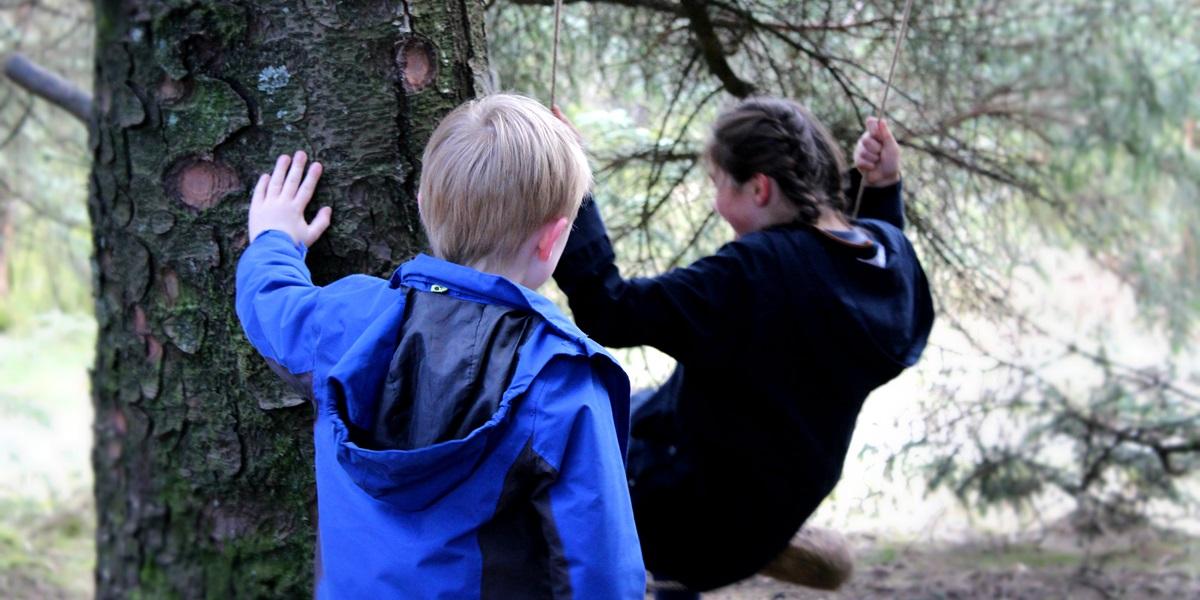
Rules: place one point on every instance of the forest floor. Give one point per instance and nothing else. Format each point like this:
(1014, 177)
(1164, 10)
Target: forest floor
(1138, 565)
(47, 518)
(49, 556)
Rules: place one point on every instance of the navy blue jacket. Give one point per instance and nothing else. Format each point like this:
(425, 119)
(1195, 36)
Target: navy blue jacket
(779, 337)
(469, 438)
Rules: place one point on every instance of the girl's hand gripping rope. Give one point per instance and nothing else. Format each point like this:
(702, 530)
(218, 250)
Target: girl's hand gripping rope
(877, 155)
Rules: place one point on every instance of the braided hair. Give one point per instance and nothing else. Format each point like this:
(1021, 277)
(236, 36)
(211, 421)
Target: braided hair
(782, 140)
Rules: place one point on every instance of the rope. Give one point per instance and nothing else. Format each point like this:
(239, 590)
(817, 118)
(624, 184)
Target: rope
(554, 58)
(882, 112)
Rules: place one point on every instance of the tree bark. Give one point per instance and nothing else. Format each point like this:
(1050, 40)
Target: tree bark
(203, 459)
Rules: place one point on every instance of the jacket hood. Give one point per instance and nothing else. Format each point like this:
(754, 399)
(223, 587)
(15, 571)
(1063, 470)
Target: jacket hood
(422, 396)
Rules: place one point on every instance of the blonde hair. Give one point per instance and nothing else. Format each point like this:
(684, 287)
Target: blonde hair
(495, 170)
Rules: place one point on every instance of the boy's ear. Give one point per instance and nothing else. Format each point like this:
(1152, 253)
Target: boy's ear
(549, 235)
(762, 189)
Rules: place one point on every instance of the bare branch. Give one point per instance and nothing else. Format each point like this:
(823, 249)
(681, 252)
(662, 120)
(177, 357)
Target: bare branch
(727, 22)
(657, 5)
(49, 86)
(709, 44)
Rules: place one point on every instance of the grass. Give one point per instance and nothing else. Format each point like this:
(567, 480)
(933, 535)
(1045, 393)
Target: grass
(47, 517)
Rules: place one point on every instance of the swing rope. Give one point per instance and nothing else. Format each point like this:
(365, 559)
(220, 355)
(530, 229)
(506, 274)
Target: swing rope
(882, 112)
(554, 57)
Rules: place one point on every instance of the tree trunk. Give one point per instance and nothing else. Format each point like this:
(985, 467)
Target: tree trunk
(203, 459)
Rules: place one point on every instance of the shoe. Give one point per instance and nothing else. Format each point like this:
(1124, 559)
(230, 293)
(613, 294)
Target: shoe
(815, 558)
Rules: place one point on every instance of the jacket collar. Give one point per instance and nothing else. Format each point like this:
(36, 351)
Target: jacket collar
(430, 274)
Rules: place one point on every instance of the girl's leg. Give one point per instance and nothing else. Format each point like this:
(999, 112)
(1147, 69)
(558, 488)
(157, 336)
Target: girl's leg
(639, 400)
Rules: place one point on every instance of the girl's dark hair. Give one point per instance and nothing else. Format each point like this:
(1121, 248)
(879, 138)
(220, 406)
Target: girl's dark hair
(781, 139)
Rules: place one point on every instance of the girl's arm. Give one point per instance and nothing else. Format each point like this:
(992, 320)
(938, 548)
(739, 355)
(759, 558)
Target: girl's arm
(678, 312)
(879, 203)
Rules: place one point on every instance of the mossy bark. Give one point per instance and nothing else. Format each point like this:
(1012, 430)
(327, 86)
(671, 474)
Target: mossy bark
(203, 458)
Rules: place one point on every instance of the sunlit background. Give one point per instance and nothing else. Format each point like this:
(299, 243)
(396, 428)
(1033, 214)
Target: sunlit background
(1049, 441)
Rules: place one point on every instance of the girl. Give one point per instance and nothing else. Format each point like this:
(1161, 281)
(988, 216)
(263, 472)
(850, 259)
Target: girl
(779, 337)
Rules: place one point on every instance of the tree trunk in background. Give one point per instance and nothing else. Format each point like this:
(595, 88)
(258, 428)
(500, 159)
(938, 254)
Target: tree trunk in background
(203, 459)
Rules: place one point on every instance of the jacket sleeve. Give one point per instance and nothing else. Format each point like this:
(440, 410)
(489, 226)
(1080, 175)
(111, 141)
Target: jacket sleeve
(277, 301)
(677, 312)
(879, 203)
(285, 315)
(586, 506)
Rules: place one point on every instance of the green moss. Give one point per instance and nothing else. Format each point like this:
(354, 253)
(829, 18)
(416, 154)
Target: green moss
(221, 24)
(212, 113)
(106, 25)
(219, 577)
(227, 21)
(154, 583)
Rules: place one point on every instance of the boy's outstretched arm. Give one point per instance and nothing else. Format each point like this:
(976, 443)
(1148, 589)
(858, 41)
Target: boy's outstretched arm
(877, 159)
(276, 299)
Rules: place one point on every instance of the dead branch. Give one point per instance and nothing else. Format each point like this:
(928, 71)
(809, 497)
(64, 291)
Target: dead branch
(49, 86)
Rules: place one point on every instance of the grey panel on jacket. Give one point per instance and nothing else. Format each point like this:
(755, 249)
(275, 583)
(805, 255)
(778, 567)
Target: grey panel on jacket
(453, 361)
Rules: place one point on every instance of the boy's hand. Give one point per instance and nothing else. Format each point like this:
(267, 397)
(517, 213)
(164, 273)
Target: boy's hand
(877, 155)
(279, 200)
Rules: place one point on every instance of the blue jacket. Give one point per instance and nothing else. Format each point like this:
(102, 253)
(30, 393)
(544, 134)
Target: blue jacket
(779, 337)
(469, 439)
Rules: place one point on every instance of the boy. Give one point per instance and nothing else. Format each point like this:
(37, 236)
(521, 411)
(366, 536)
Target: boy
(469, 439)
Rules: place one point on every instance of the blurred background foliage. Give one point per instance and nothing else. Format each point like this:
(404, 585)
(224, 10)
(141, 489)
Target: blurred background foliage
(1033, 132)
(47, 332)
(1051, 161)
(45, 242)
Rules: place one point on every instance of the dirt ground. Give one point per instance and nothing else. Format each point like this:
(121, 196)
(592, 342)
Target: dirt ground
(899, 581)
(1143, 565)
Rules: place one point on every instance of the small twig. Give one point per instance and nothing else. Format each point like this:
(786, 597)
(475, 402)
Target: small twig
(49, 86)
(16, 128)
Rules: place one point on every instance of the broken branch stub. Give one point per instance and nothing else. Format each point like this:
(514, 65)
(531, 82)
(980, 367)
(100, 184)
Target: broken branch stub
(416, 58)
